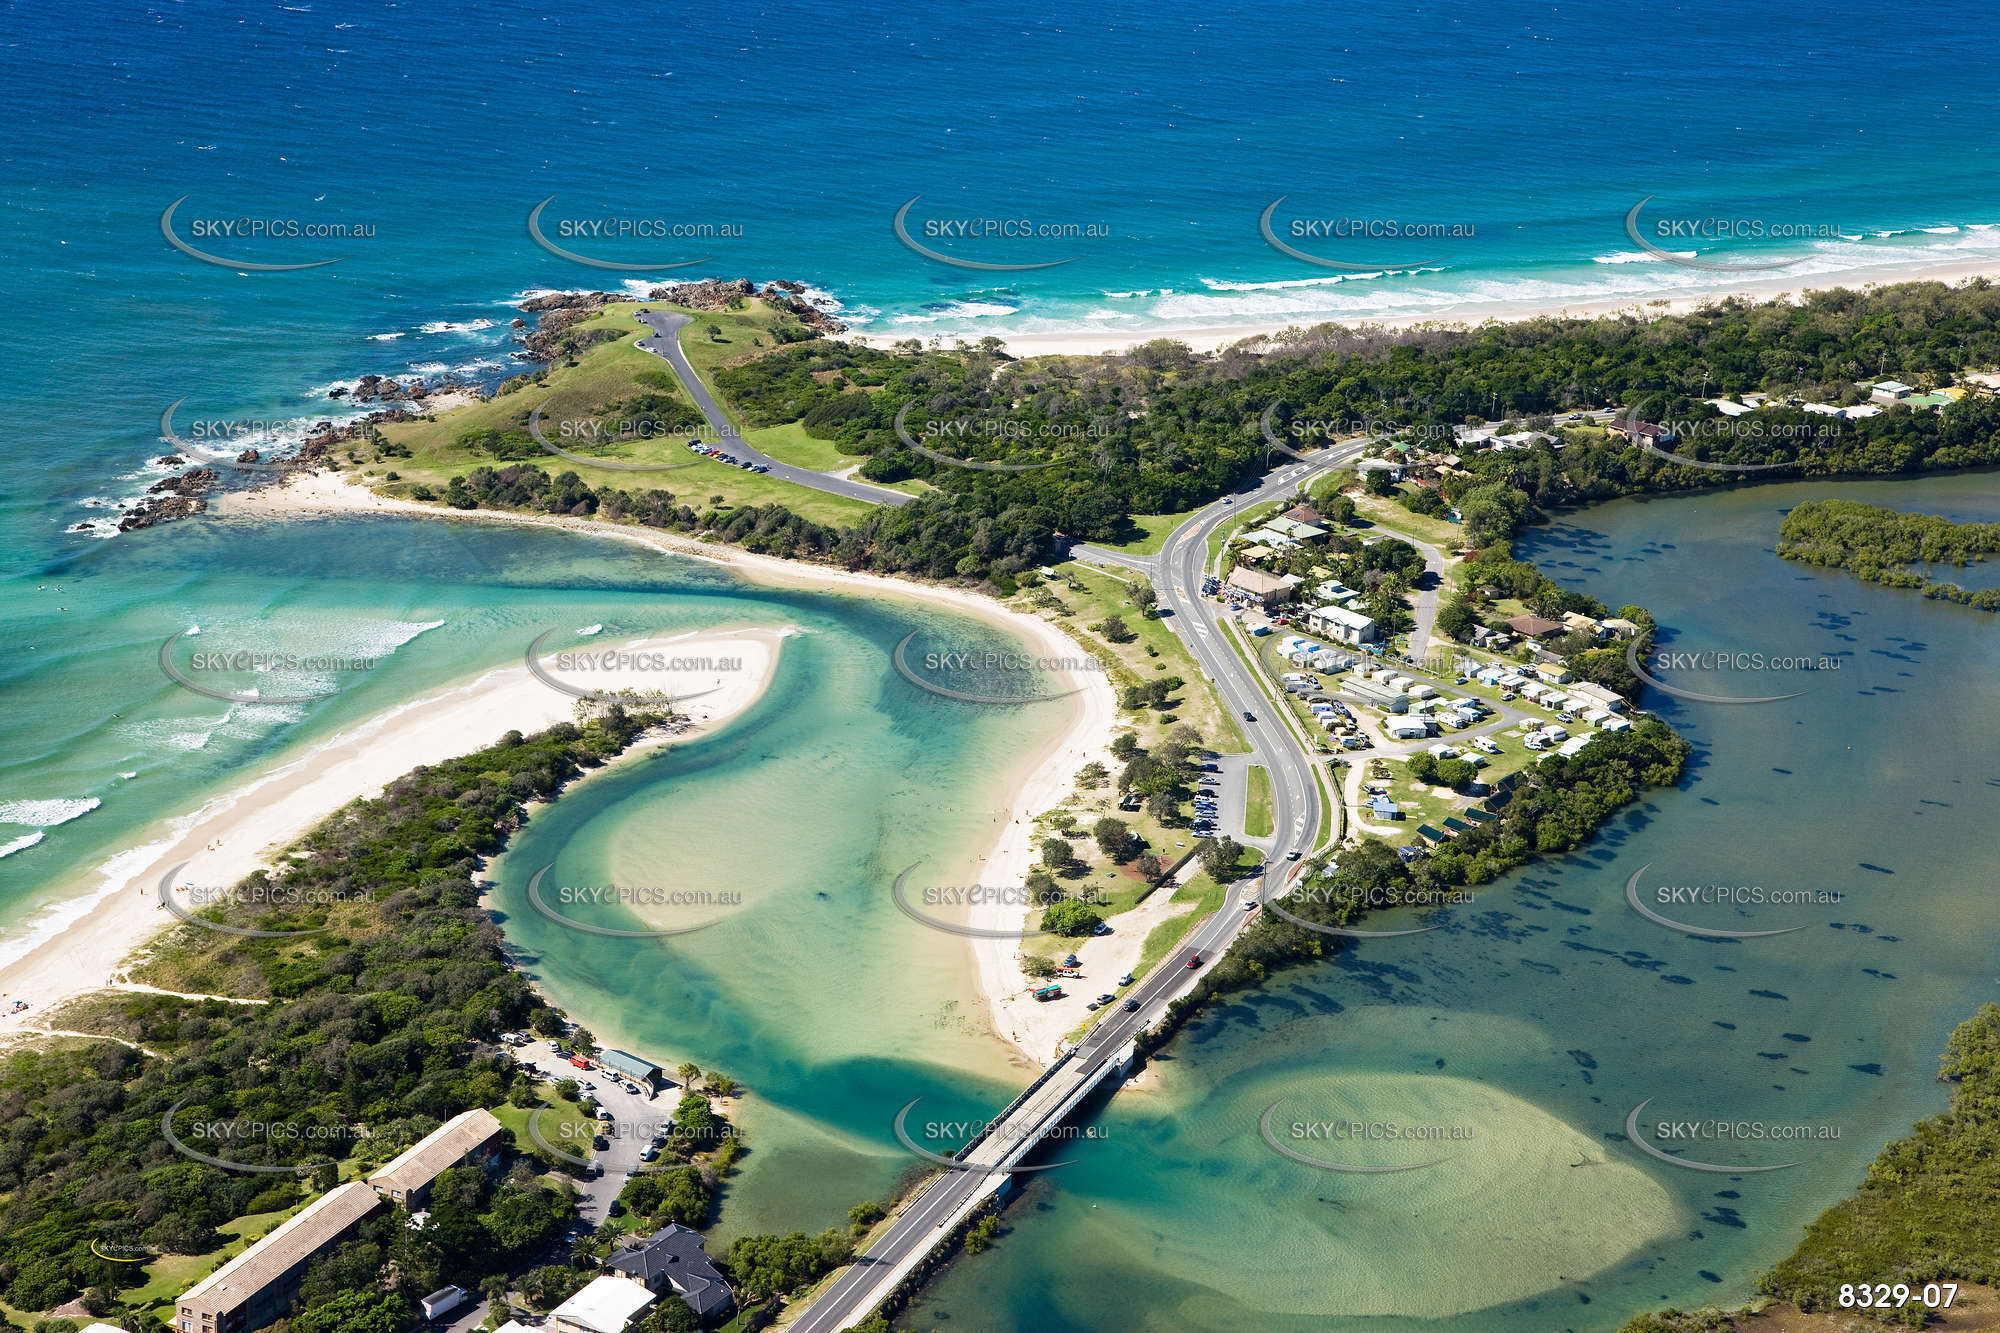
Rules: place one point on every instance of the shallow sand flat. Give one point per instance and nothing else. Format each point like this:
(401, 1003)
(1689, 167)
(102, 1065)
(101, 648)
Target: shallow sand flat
(236, 833)
(1047, 775)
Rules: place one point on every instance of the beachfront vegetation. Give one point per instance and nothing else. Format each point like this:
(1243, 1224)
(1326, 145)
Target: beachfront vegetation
(1889, 547)
(369, 1032)
(1106, 442)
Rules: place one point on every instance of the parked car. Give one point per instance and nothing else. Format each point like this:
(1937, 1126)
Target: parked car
(1125, 980)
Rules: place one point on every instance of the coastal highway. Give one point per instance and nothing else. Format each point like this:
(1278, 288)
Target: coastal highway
(666, 344)
(925, 1222)
(1177, 573)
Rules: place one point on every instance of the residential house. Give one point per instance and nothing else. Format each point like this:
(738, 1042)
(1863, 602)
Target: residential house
(1264, 587)
(1890, 391)
(1555, 673)
(1620, 628)
(1303, 533)
(407, 1179)
(1532, 626)
(605, 1305)
(1728, 407)
(1339, 623)
(1641, 432)
(259, 1285)
(1368, 465)
(1578, 623)
(1303, 514)
(1609, 700)
(672, 1261)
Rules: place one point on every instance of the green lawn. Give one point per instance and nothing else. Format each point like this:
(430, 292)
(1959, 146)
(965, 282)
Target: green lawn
(585, 386)
(1156, 529)
(575, 1139)
(1206, 895)
(1090, 594)
(1390, 516)
(1257, 810)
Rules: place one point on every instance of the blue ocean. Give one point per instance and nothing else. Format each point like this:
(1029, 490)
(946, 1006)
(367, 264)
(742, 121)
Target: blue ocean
(1113, 169)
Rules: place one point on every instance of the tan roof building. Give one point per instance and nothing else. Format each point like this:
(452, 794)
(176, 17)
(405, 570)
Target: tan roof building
(1532, 626)
(259, 1285)
(407, 1179)
(1258, 583)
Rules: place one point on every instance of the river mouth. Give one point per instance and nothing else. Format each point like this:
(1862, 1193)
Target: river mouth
(1861, 809)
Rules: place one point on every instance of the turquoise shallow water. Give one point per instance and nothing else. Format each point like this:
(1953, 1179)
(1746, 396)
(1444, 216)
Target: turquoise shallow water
(1564, 1009)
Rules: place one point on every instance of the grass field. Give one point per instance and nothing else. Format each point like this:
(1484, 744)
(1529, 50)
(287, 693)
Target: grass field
(587, 385)
(1156, 529)
(1257, 809)
(1090, 594)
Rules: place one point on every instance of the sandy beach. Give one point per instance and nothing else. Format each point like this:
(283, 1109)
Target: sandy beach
(244, 829)
(1210, 338)
(241, 831)
(1031, 1028)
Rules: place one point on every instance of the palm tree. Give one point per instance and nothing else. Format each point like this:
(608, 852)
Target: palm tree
(689, 1072)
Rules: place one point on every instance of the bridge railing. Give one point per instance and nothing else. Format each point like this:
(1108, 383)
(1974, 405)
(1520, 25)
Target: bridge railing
(1013, 1106)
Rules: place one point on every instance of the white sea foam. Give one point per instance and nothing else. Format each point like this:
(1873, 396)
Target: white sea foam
(384, 337)
(447, 326)
(22, 843)
(47, 813)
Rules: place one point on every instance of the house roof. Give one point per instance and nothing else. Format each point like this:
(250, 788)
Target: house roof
(1258, 582)
(1302, 514)
(298, 1236)
(1534, 626)
(1340, 615)
(606, 1304)
(442, 1148)
(675, 1254)
(1426, 831)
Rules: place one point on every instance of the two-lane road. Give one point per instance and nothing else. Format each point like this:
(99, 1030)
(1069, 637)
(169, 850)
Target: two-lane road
(666, 344)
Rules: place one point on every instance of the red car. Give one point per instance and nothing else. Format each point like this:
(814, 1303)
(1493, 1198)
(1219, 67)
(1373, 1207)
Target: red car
(1194, 962)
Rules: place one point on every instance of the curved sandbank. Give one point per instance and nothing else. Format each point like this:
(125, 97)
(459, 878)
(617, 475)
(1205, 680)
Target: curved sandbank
(1047, 774)
(248, 827)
